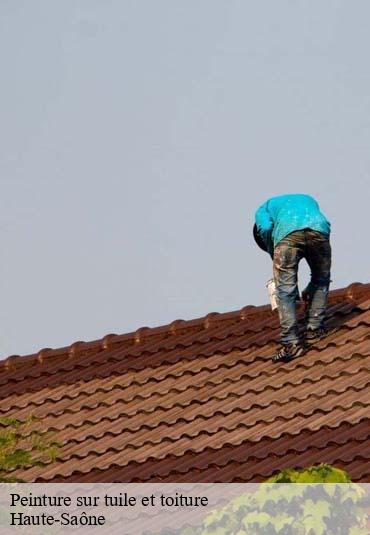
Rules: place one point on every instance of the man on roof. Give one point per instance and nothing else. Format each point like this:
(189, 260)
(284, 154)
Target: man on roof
(289, 228)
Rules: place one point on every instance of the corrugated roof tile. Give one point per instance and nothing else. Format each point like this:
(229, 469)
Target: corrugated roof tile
(199, 400)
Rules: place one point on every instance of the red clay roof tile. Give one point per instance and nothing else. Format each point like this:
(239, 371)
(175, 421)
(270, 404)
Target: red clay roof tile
(199, 400)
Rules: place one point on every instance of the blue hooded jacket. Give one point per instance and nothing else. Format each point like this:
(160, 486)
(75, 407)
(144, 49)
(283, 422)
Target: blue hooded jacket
(280, 216)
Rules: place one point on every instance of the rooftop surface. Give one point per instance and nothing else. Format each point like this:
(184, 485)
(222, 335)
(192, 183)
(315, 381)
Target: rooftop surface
(199, 400)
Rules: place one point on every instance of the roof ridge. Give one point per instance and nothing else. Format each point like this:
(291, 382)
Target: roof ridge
(352, 292)
(77, 370)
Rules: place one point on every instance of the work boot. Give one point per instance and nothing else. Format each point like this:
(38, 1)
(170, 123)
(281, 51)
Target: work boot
(314, 335)
(289, 352)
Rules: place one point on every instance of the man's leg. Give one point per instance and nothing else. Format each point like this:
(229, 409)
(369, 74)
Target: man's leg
(318, 256)
(287, 255)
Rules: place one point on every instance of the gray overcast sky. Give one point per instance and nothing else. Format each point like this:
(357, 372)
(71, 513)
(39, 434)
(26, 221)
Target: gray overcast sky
(138, 138)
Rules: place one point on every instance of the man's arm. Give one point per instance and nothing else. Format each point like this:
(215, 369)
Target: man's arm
(265, 227)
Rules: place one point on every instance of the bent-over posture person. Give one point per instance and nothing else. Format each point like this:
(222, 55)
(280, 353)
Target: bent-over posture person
(289, 228)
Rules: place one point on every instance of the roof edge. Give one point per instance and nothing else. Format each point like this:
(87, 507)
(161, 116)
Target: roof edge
(354, 292)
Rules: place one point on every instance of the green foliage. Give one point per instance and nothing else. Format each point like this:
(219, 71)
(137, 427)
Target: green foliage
(322, 473)
(303, 509)
(20, 446)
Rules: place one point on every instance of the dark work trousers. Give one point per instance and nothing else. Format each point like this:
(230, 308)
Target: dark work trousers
(315, 248)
